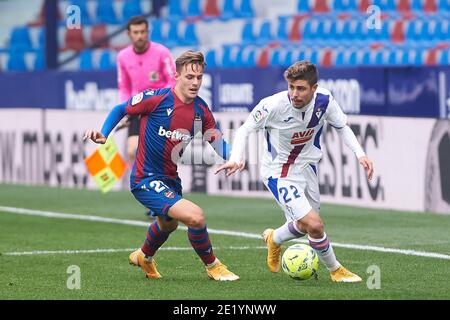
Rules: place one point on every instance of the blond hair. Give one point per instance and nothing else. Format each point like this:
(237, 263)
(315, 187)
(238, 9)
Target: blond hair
(190, 57)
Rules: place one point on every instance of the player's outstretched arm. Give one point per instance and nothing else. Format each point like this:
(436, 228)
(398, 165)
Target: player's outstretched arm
(231, 167)
(350, 140)
(367, 165)
(95, 136)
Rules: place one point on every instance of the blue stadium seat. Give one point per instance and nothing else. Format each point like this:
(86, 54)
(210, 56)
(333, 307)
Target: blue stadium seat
(392, 58)
(366, 57)
(16, 61)
(301, 55)
(105, 12)
(247, 33)
(303, 6)
(193, 9)
(340, 57)
(378, 3)
(210, 59)
(228, 11)
(418, 59)
(226, 57)
(239, 61)
(440, 32)
(379, 55)
(288, 59)
(86, 60)
(332, 32)
(175, 10)
(443, 5)
(41, 39)
(425, 31)
(307, 30)
(265, 33)
(346, 32)
(245, 9)
(190, 36)
(443, 59)
(131, 8)
(405, 58)
(105, 61)
(156, 31)
(320, 31)
(282, 32)
(411, 32)
(172, 39)
(338, 5)
(416, 5)
(39, 60)
(85, 19)
(275, 58)
(20, 39)
(251, 59)
(352, 59)
(390, 5)
(314, 58)
(352, 5)
(384, 35)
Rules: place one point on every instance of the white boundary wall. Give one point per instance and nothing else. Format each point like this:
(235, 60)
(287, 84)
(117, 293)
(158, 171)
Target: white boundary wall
(410, 157)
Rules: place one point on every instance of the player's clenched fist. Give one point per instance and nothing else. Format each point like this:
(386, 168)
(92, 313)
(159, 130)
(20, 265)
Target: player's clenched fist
(95, 136)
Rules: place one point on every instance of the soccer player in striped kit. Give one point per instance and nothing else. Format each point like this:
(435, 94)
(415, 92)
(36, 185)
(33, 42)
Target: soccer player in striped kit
(292, 121)
(170, 118)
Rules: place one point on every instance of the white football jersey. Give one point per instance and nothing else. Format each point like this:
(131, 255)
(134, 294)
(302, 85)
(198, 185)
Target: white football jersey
(292, 136)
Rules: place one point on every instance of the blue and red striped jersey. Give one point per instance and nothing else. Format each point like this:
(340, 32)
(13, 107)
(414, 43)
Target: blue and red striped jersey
(167, 126)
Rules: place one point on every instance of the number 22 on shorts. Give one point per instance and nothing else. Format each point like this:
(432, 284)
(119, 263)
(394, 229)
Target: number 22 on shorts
(287, 197)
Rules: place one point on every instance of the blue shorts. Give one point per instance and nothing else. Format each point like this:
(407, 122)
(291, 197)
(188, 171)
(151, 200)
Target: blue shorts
(159, 195)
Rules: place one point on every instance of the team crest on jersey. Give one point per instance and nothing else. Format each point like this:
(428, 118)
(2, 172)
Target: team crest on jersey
(169, 194)
(137, 98)
(318, 112)
(258, 116)
(153, 76)
(302, 137)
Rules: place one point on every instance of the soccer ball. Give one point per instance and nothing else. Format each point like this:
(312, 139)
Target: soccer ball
(300, 261)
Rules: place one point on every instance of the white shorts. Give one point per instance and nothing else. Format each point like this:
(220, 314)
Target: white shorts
(296, 195)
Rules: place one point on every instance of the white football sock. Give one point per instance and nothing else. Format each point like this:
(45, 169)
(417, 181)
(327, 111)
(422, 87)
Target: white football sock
(325, 252)
(287, 231)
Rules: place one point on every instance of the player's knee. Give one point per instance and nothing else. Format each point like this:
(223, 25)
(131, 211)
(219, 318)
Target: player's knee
(170, 226)
(316, 229)
(197, 219)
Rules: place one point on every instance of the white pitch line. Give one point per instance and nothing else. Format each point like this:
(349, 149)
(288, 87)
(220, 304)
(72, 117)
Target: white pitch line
(49, 214)
(50, 252)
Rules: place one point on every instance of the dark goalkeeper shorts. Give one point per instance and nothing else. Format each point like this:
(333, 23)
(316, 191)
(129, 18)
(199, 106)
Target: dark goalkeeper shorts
(133, 129)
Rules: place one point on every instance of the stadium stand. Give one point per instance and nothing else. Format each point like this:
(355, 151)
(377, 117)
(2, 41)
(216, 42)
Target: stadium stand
(245, 32)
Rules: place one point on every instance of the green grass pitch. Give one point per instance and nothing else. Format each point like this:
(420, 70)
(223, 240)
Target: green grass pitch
(107, 275)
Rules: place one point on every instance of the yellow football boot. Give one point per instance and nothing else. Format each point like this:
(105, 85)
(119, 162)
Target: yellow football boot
(273, 251)
(219, 272)
(343, 275)
(137, 258)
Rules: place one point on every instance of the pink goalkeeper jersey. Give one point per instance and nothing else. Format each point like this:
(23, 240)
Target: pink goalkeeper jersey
(152, 69)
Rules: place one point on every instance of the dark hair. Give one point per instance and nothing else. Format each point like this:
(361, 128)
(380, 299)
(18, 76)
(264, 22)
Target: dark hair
(137, 20)
(302, 70)
(194, 57)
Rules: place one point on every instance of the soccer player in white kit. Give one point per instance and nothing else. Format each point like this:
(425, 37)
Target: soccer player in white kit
(292, 121)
